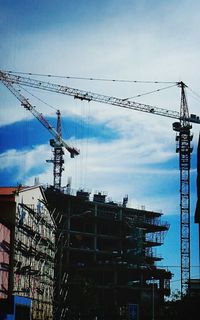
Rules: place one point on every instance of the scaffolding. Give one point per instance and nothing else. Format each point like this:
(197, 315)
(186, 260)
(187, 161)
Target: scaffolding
(34, 252)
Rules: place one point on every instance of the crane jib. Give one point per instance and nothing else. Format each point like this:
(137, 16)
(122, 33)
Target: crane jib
(10, 84)
(90, 96)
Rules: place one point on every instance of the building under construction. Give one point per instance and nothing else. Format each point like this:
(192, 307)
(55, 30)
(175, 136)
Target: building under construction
(105, 264)
(68, 255)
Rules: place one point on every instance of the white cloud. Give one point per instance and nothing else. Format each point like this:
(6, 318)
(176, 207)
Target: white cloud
(98, 161)
(101, 166)
(22, 162)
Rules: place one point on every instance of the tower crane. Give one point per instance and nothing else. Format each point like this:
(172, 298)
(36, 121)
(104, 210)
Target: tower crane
(58, 143)
(183, 138)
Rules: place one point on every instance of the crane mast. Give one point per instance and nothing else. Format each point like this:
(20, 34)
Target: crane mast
(184, 148)
(58, 153)
(183, 138)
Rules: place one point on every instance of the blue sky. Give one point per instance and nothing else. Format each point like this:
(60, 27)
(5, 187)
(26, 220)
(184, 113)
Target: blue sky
(122, 152)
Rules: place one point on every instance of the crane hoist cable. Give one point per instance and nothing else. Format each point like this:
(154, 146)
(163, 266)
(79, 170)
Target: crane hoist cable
(39, 99)
(88, 78)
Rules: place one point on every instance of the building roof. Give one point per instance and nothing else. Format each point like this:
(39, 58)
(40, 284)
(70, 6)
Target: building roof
(7, 190)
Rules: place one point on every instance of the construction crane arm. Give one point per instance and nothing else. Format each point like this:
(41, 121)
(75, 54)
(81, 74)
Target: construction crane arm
(27, 105)
(90, 96)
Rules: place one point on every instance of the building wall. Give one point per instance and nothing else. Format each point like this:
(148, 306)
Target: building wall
(4, 260)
